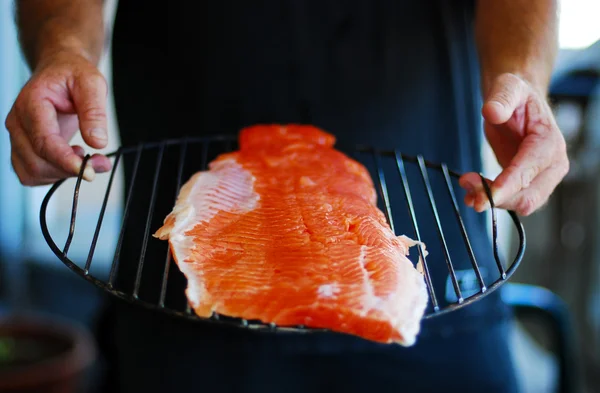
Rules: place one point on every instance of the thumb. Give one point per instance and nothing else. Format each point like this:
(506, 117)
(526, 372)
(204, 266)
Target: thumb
(89, 96)
(507, 92)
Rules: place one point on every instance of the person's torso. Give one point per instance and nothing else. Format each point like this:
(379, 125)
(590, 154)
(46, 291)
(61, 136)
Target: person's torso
(394, 74)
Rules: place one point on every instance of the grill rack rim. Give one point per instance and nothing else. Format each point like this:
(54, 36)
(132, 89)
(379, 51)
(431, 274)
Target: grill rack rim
(505, 274)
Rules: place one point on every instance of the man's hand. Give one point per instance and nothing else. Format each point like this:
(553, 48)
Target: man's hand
(65, 93)
(522, 131)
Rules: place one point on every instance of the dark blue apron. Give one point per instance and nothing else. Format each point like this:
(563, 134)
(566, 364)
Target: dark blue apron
(397, 74)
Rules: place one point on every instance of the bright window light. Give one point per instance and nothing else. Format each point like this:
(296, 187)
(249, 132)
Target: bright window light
(579, 23)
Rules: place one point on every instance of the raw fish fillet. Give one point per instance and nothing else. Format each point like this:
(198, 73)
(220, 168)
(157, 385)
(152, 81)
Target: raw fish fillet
(287, 231)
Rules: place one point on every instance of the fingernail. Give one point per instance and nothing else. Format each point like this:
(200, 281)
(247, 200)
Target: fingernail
(469, 200)
(99, 134)
(497, 195)
(89, 174)
(486, 205)
(483, 207)
(102, 168)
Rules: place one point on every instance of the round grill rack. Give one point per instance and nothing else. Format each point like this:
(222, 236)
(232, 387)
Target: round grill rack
(391, 174)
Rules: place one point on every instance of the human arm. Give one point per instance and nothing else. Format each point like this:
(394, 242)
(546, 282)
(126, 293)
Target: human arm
(49, 26)
(517, 45)
(62, 42)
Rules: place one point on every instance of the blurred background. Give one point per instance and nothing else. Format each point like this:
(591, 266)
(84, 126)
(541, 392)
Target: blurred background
(556, 291)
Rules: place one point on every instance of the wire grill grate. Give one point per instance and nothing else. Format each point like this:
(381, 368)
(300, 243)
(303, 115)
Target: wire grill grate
(375, 160)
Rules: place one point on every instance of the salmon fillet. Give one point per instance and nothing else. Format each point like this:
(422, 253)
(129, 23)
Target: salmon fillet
(287, 231)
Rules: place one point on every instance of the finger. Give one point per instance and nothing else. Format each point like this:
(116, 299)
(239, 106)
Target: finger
(68, 124)
(531, 199)
(48, 144)
(11, 123)
(481, 201)
(469, 200)
(78, 150)
(99, 162)
(476, 196)
(506, 94)
(528, 199)
(470, 182)
(28, 180)
(89, 96)
(535, 155)
(31, 169)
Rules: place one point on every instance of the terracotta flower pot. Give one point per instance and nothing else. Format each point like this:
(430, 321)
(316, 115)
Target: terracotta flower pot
(43, 355)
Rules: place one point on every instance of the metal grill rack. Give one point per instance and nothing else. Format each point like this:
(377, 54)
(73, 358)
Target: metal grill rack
(407, 193)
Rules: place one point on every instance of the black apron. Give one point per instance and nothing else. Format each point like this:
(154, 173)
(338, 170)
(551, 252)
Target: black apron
(386, 73)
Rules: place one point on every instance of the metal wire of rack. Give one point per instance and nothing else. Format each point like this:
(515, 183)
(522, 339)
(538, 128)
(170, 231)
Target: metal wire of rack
(382, 180)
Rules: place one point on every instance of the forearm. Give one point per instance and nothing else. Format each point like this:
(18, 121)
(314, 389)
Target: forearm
(50, 26)
(519, 37)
